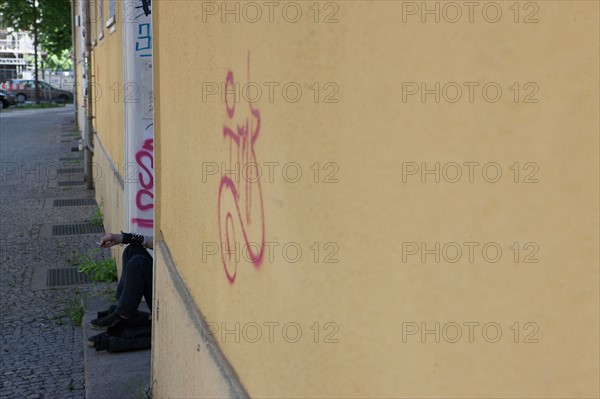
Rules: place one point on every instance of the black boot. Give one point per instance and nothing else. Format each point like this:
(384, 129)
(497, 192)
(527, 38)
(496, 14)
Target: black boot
(106, 312)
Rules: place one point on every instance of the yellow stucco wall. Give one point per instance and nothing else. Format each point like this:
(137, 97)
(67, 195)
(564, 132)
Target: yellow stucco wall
(109, 196)
(107, 69)
(371, 296)
(202, 373)
(108, 86)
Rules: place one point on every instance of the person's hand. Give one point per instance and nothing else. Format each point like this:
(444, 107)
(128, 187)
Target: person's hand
(110, 240)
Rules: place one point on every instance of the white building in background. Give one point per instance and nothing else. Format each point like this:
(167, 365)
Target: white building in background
(16, 60)
(15, 49)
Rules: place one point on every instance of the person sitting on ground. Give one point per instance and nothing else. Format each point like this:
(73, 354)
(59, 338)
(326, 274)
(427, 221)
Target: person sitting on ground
(135, 281)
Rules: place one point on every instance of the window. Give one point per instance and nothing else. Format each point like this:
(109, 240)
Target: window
(112, 15)
(101, 10)
(94, 21)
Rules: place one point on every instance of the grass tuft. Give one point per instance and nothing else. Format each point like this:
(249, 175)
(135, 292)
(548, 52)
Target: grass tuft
(97, 218)
(75, 313)
(99, 269)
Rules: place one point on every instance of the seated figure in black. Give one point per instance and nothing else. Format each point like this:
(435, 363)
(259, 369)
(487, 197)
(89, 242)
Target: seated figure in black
(135, 281)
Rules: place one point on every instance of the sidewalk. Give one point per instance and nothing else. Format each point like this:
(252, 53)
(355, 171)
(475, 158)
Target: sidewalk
(44, 215)
(41, 355)
(112, 375)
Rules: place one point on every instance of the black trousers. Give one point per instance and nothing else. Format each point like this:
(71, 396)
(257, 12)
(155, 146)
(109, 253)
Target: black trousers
(135, 282)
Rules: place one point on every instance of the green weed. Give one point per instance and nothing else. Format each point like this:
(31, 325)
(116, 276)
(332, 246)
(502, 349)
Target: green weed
(75, 312)
(99, 269)
(97, 218)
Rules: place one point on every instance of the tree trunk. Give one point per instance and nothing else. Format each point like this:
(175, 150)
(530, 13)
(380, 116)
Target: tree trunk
(35, 51)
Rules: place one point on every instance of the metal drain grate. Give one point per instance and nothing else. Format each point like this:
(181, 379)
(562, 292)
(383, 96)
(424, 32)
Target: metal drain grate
(70, 183)
(71, 170)
(72, 229)
(66, 276)
(75, 202)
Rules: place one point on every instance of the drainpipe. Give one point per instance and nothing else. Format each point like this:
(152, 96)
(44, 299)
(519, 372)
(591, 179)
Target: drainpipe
(74, 58)
(88, 139)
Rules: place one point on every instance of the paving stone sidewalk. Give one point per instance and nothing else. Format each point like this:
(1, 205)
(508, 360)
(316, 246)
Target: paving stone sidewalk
(41, 351)
(124, 375)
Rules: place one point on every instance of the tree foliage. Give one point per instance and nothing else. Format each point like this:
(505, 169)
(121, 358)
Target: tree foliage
(53, 16)
(59, 62)
(55, 29)
(18, 14)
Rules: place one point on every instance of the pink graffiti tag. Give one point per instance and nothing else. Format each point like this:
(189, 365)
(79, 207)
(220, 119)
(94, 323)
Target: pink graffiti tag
(146, 180)
(236, 205)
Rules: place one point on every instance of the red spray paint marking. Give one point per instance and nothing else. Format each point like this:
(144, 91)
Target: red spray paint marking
(149, 223)
(144, 198)
(232, 218)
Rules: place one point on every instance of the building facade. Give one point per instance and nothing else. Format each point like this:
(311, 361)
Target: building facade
(16, 53)
(16, 60)
(328, 213)
(99, 69)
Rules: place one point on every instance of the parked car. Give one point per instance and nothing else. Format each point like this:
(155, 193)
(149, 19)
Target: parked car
(24, 90)
(7, 99)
